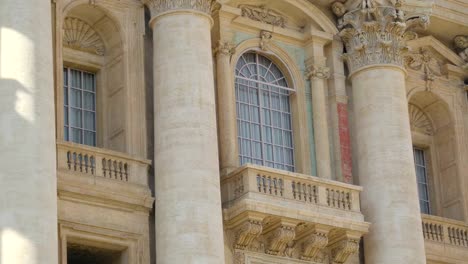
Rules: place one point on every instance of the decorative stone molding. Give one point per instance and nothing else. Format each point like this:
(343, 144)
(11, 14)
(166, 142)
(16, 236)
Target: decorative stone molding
(265, 39)
(225, 48)
(264, 15)
(341, 250)
(313, 245)
(419, 121)
(247, 232)
(280, 238)
(79, 35)
(373, 34)
(318, 72)
(338, 8)
(425, 61)
(461, 46)
(160, 6)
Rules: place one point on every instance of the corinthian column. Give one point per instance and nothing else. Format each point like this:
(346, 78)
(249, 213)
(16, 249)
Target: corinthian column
(188, 203)
(28, 189)
(374, 42)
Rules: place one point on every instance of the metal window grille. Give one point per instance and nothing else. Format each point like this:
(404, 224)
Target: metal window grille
(421, 176)
(264, 123)
(79, 92)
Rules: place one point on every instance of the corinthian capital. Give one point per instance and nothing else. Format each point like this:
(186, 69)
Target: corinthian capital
(374, 34)
(318, 72)
(160, 6)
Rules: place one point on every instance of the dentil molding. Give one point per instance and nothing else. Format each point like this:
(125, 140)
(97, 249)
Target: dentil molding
(160, 6)
(375, 34)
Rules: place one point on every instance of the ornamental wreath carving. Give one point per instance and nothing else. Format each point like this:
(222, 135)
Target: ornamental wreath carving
(264, 15)
(426, 62)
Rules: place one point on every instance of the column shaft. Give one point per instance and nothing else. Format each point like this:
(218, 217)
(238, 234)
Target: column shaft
(188, 203)
(386, 167)
(320, 121)
(28, 189)
(226, 108)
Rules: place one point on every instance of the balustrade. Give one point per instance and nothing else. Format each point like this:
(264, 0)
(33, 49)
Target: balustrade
(445, 231)
(290, 186)
(92, 161)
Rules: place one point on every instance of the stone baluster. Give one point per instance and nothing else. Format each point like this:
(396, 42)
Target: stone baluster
(374, 41)
(188, 203)
(28, 188)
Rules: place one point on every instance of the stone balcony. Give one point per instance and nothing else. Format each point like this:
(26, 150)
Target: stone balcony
(446, 240)
(103, 176)
(281, 214)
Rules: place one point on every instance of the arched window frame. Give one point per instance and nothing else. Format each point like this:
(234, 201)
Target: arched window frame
(295, 78)
(264, 119)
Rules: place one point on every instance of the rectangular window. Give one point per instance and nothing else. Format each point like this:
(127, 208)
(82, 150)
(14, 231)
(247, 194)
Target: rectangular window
(421, 176)
(79, 92)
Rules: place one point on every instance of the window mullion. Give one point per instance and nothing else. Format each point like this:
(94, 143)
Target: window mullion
(68, 103)
(261, 123)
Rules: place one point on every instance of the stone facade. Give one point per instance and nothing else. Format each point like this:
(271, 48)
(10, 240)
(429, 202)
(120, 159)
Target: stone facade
(184, 94)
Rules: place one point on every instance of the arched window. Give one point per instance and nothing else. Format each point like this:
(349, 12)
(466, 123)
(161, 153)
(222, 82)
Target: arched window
(264, 122)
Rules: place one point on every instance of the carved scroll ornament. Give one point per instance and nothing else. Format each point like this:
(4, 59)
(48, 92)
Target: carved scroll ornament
(247, 232)
(318, 72)
(160, 6)
(280, 239)
(264, 15)
(374, 34)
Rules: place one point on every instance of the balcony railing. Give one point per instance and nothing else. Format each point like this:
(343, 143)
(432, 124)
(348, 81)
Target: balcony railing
(446, 231)
(277, 213)
(92, 161)
(290, 186)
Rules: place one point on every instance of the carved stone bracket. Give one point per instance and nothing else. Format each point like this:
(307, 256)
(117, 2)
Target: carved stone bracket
(247, 232)
(281, 236)
(341, 250)
(225, 48)
(264, 15)
(160, 6)
(313, 245)
(374, 35)
(426, 62)
(318, 72)
(461, 46)
(265, 39)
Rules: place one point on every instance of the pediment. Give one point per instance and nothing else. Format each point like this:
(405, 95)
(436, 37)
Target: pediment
(440, 52)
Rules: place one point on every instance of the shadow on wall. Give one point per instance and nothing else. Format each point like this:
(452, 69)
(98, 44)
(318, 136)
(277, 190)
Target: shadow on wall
(25, 165)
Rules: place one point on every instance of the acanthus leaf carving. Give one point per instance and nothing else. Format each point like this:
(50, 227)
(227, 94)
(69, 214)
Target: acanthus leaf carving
(279, 240)
(375, 35)
(247, 232)
(263, 14)
(239, 258)
(79, 35)
(160, 6)
(344, 248)
(225, 48)
(425, 61)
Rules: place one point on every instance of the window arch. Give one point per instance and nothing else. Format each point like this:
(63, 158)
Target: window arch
(264, 121)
